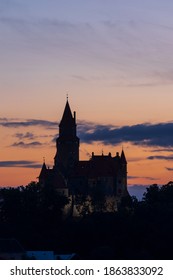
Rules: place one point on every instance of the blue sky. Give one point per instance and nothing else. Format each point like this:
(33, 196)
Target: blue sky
(123, 43)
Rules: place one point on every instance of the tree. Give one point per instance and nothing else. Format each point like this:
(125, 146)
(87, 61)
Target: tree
(31, 204)
(152, 194)
(83, 204)
(52, 204)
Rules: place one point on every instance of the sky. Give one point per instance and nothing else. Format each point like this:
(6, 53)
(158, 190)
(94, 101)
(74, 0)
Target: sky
(114, 60)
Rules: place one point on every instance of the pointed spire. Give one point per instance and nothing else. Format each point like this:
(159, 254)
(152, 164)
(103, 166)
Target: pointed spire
(43, 169)
(67, 117)
(123, 158)
(44, 164)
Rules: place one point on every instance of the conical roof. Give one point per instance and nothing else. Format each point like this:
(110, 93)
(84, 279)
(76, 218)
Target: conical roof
(67, 117)
(43, 171)
(123, 158)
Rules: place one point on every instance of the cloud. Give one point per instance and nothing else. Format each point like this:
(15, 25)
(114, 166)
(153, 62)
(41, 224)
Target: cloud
(98, 41)
(161, 157)
(43, 27)
(27, 135)
(162, 150)
(32, 136)
(145, 134)
(13, 123)
(79, 78)
(20, 163)
(169, 168)
(135, 159)
(21, 144)
(142, 177)
(49, 35)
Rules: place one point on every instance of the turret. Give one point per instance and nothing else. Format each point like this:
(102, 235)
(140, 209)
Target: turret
(67, 126)
(67, 143)
(123, 158)
(124, 172)
(43, 174)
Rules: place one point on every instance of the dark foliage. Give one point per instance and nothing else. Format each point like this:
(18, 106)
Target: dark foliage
(27, 213)
(139, 230)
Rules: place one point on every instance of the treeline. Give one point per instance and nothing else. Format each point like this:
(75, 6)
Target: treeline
(138, 230)
(31, 214)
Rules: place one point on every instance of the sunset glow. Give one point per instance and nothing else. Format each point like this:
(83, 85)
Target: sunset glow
(113, 58)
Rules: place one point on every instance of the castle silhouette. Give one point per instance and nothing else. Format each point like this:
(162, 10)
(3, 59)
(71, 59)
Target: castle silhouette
(73, 177)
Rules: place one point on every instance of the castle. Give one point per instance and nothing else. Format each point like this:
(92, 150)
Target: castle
(73, 177)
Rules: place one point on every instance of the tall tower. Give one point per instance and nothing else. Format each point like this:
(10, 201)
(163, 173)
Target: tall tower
(67, 143)
(124, 172)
